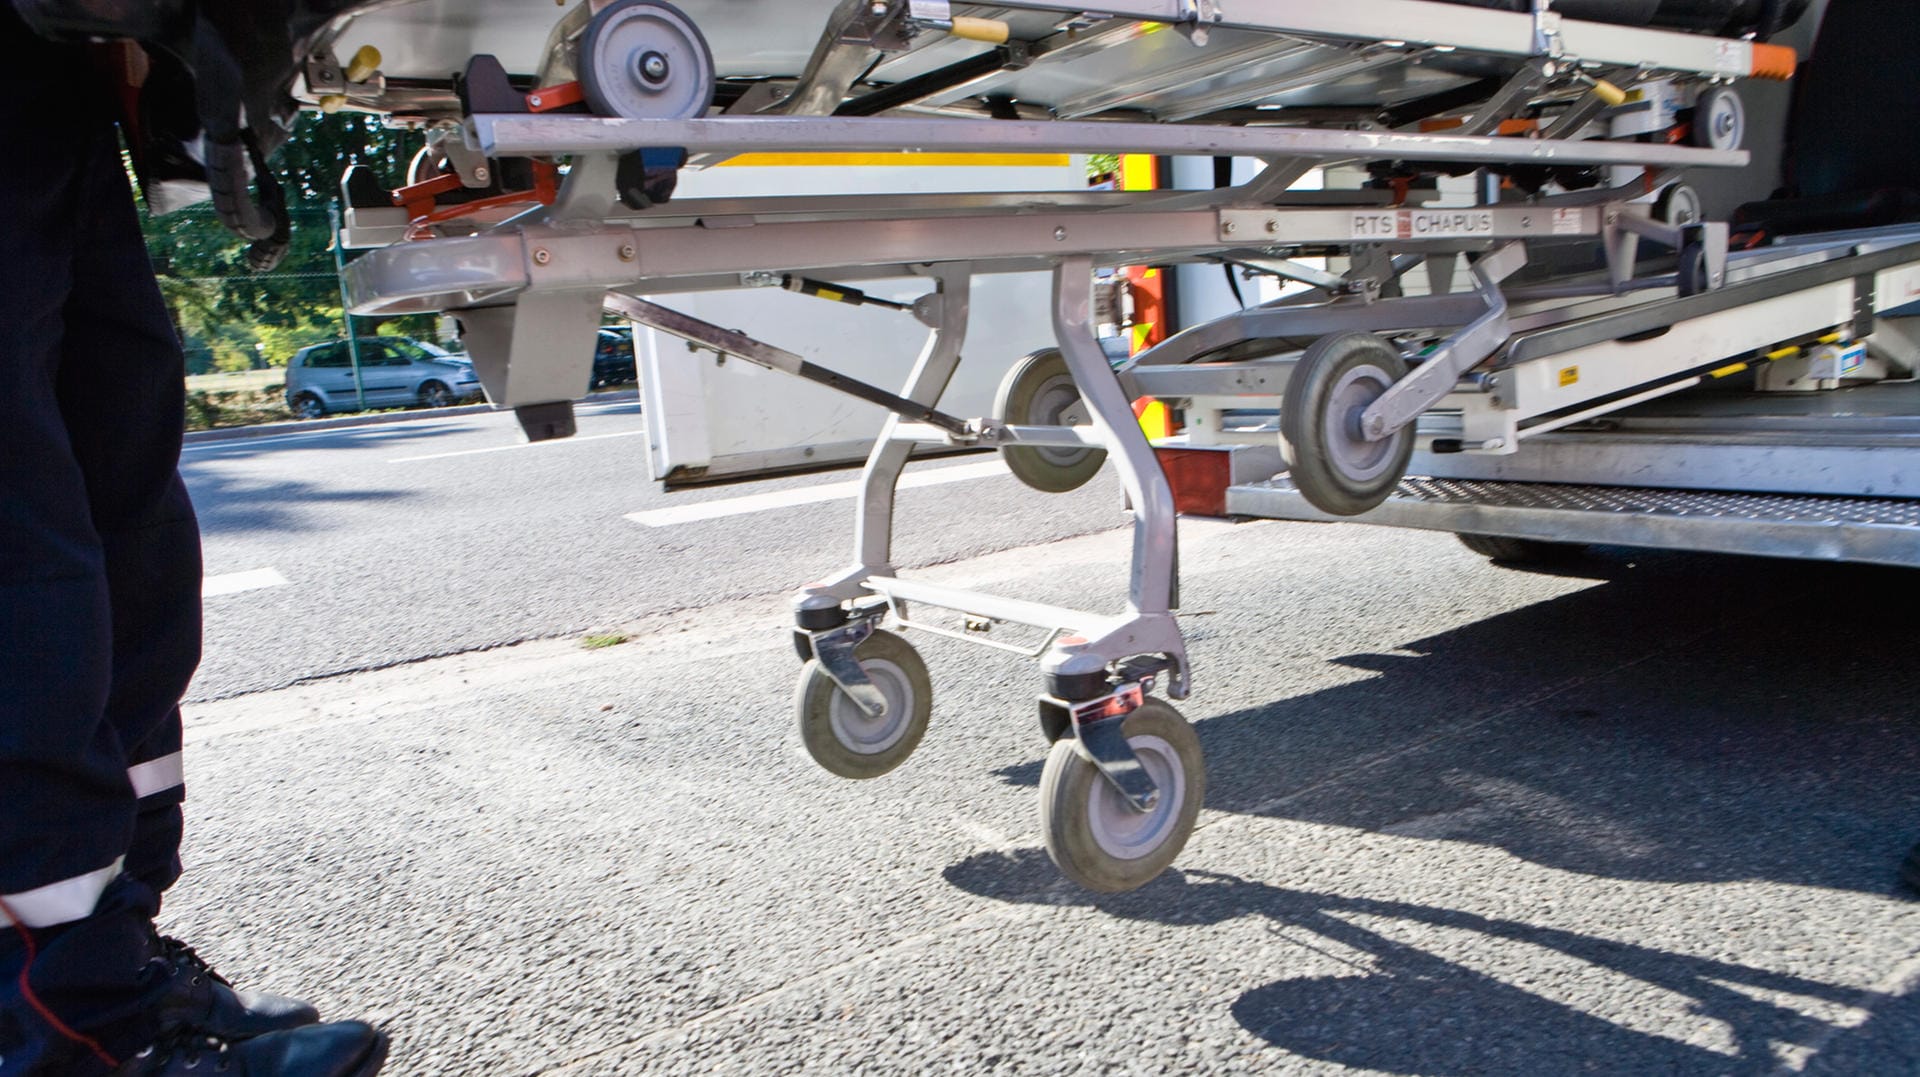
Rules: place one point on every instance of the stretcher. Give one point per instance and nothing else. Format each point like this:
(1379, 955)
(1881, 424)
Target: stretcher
(546, 194)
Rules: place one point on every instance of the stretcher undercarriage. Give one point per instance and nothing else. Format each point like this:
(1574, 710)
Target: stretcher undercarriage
(625, 95)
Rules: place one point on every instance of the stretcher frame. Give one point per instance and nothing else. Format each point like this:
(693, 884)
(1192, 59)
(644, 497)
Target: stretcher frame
(527, 286)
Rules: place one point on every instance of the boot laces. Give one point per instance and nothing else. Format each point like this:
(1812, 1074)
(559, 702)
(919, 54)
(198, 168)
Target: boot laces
(179, 954)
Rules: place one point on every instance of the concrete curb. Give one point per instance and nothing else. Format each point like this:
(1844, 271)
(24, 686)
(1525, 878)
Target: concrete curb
(309, 426)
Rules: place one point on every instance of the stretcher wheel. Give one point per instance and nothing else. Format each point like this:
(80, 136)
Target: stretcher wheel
(1695, 275)
(1332, 463)
(1039, 391)
(1093, 835)
(844, 738)
(645, 60)
(1719, 119)
(1678, 204)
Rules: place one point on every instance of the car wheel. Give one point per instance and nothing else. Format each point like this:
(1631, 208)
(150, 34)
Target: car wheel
(436, 395)
(309, 406)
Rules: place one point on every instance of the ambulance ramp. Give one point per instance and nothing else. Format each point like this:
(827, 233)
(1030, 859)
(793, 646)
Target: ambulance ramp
(1866, 529)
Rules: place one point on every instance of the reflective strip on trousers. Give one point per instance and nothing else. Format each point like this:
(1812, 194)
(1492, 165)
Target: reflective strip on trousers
(157, 775)
(62, 902)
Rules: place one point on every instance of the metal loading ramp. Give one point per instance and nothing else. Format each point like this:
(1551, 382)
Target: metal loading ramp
(1867, 529)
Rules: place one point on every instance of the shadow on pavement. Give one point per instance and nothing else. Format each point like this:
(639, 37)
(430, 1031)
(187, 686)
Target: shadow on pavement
(228, 504)
(1687, 718)
(1404, 1010)
(370, 436)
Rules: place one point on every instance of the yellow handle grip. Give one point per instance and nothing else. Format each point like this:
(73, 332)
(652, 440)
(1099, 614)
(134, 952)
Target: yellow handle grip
(991, 31)
(364, 64)
(1606, 91)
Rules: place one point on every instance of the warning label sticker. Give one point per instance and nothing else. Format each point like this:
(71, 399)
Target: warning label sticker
(1566, 222)
(1423, 224)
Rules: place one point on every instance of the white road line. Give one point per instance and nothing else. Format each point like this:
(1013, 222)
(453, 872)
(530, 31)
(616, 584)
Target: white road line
(235, 582)
(781, 499)
(518, 445)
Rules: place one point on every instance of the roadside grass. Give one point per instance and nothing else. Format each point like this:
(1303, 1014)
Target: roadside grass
(602, 640)
(244, 381)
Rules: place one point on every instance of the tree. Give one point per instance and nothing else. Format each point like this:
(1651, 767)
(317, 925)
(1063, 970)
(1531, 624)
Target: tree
(224, 311)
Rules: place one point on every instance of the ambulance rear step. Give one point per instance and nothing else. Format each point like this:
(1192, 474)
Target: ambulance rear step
(1865, 529)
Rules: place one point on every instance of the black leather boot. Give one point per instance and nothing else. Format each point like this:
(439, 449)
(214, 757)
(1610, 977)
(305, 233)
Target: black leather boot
(339, 1049)
(201, 1000)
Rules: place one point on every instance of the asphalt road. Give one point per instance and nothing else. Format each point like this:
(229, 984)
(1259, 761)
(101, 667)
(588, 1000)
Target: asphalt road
(449, 534)
(1638, 815)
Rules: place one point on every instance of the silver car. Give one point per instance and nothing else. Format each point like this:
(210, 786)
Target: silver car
(394, 372)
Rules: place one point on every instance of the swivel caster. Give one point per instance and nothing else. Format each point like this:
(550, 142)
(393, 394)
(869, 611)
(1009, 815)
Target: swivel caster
(1094, 834)
(1334, 465)
(1719, 119)
(1039, 391)
(843, 736)
(645, 60)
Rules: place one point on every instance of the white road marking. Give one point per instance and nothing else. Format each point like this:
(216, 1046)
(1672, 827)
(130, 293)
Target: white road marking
(518, 445)
(806, 495)
(235, 582)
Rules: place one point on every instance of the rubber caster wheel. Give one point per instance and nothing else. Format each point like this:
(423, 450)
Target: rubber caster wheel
(1695, 276)
(1678, 204)
(645, 60)
(845, 739)
(1334, 466)
(1039, 391)
(1520, 551)
(1719, 119)
(1093, 835)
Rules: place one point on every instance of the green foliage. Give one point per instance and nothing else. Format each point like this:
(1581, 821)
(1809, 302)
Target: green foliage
(236, 407)
(231, 318)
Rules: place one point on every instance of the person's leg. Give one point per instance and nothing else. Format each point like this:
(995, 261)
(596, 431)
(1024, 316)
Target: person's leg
(74, 932)
(122, 389)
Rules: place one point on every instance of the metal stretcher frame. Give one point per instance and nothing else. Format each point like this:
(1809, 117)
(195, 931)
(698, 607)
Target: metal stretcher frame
(1123, 782)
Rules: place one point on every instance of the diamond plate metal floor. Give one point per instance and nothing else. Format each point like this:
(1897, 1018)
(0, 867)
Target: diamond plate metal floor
(1875, 530)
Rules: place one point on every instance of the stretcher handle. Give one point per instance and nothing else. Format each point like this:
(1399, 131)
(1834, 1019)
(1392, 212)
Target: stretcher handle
(991, 31)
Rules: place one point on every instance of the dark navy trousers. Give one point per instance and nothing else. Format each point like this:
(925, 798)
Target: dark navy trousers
(99, 576)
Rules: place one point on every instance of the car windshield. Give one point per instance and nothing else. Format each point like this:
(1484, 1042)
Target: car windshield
(414, 350)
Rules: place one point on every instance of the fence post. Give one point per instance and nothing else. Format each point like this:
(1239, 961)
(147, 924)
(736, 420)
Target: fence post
(340, 274)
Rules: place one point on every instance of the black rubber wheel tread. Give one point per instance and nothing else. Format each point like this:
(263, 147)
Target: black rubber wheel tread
(435, 394)
(1303, 437)
(300, 408)
(230, 180)
(1694, 277)
(814, 701)
(1067, 781)
(1048, 470)
(1520, 551)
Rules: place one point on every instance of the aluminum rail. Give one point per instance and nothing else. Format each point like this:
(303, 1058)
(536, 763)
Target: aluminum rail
(509, 135)
(1426, 22)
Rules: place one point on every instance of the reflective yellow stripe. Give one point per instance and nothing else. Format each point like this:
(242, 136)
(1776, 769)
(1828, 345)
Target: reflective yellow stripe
(909, 159)
(1784, 353)
(1726, 370)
